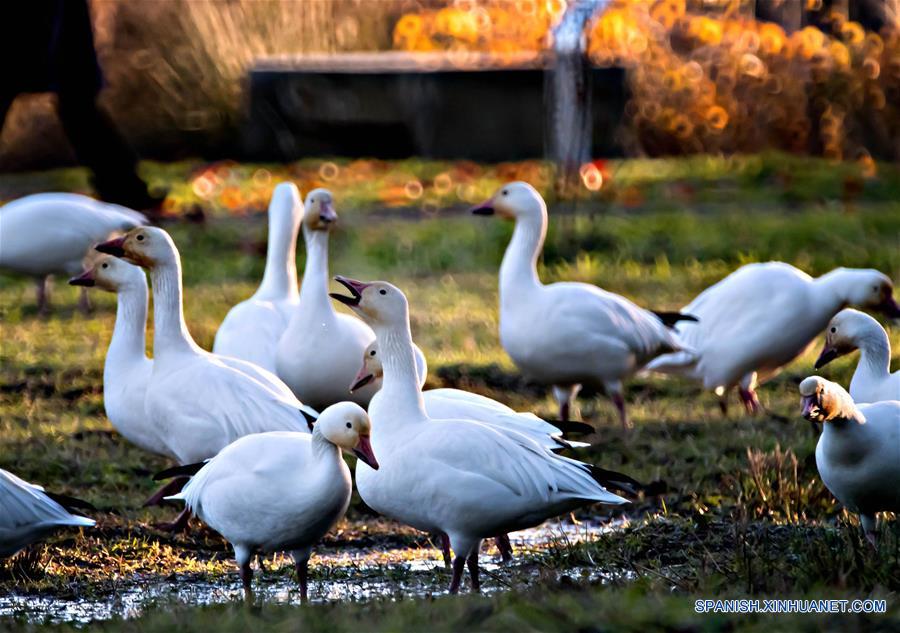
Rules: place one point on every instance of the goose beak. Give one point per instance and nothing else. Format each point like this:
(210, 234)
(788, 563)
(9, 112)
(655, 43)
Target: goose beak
(84, 279)
(889, 307)
(354, 287)
(810, 408)
(363, 451)
(327, 214)
(828, 354)
(362, 379)
(114, 247)
(485, 208)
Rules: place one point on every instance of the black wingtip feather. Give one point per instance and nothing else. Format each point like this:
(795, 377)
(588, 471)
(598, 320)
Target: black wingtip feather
(671, 318)
(310, 420)
(571, 426)
(616, 481)
(71, 503)
(187, 470)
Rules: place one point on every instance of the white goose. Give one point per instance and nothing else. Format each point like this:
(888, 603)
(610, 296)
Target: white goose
(319, 352)
(126, 371)
(29, 514)
(279, 491)
(872, 381)
(251, 329)
(567, 334)
(48, 233)
(762, 316)
(858, 454)
(454, 404)
(200, 402)
(455, 477)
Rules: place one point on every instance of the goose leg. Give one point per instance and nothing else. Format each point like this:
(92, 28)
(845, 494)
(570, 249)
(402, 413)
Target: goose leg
(565, 397)
(445, 549)
(505, 547)
(751, 402)
(472, 562)
(463, 548)
(43, 296)
(868, 524)
(614, 390)
(179, 525)
(301, 564)
(171, 488)
(459, 563)
(243, 556)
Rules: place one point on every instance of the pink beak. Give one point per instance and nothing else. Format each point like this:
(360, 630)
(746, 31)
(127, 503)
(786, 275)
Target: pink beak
(355, 287)
(364, 451)
(113, 247)
(327, 213)
(890, 308)
(485, 208)
(362, 379)
(84, 279)
(810, 408)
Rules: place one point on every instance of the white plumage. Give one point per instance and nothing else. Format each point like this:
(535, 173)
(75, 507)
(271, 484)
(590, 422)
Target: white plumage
(252, 328)
(28, 515)
(858, 454)
(762, 316)
(872, 381)
(319, 352)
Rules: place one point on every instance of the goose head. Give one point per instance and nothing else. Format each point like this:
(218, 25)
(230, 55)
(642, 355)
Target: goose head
(378, 303)
(347, 426)
(146, 246)
(826, 401)
(512, 201)
(371, 369)
(319, 213)
(111, 274)
(843, 334)
(870, 289)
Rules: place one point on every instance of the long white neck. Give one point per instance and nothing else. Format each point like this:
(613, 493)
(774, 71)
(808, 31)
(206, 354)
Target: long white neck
(400, 384)
(322, 449)
(280, 277)
(314, 291)
(874, 354)
(128, 343)
(518, 271)
(170, 332)
(831, 296)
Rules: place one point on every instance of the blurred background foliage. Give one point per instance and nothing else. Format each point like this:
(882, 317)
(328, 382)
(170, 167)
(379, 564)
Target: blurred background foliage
(703, 75)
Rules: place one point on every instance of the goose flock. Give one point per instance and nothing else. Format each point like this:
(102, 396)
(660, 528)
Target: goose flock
(256, 428)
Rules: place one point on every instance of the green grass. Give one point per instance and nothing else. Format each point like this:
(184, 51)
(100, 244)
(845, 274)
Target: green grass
(743, 512)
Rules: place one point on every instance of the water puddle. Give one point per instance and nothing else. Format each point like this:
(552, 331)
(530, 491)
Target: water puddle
(344, 574)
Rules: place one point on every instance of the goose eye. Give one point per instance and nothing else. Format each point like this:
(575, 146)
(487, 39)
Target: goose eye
(833, 330)
(140, 238)
(505, 192)
(105, 266)
(349, 426)
(372, 353)
(382, 292)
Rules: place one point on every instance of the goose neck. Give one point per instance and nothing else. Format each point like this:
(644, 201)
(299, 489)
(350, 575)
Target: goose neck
(518, 271)
(400, 382)
(170, 332)
(128, 341)
(874, 352)
(832, 292)
(322, 449)
(280, 276)
(314, 291)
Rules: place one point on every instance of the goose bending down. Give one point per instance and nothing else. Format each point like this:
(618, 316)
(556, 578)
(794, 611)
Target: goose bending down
(29, 514)
(199, 402)
(455, 477)
(280, 491)
(48, 233)
(567, 334)
(858, 454)
(872, 381)
(251, 329)
(761, 317)
(127, 369)
(319, 352)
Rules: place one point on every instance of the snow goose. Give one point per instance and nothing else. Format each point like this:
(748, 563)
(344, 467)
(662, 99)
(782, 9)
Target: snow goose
(48, 233)
(872, 381)
(29, 514)
(455, 477)
(858, 454)
(567, 334)
(319, 352)
(127, 369)
(251, 329)
(272, 492)
(761, 317)
(198, 401)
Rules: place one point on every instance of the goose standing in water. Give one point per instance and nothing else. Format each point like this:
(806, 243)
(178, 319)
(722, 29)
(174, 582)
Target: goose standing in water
(568, 334)
(48, 233)
(872, 381)
(251, 329)
(200, 402)
(760, 318)
(272, 492)
(458, 477)
(858, 454)
(29, 514)
(126, 370)
(318, 354)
